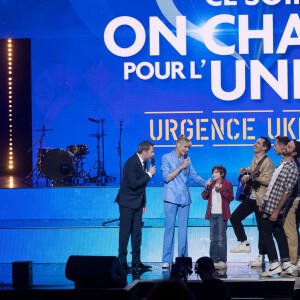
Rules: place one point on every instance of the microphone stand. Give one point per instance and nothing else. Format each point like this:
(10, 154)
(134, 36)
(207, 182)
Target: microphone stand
(120, 152)
(102, 129)
(120, 165)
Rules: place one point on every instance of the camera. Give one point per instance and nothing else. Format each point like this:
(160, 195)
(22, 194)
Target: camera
(181, 268)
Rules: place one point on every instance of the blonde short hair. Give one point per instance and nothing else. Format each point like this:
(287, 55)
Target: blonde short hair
(183, 140)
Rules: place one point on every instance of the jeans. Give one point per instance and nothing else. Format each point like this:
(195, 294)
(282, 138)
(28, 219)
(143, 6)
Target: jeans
(276, 228)
(246, 208)
(218, 238)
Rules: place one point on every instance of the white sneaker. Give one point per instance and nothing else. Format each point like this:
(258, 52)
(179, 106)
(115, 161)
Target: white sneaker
(295, 267)
(243, 247)
(220, 265)
(274, 268)
(287, 267)
(222, 272)
(298, 263)
(165, 266)
(259, 261)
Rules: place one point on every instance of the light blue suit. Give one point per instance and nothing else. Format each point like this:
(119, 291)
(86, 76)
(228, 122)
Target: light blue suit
(176, 197)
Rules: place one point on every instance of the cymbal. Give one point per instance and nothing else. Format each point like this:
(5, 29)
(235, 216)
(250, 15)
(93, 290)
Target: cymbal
(44, 129)
(97, 135)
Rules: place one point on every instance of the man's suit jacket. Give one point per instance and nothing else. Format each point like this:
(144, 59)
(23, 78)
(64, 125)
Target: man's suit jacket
(132, 192)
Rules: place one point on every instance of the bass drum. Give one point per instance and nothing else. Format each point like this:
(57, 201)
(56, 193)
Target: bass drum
(57, 165)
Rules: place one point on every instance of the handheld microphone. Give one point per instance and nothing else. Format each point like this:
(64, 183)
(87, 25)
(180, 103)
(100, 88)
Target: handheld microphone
(93, 120)
(152, 163)
(185, 156)
(207, 191)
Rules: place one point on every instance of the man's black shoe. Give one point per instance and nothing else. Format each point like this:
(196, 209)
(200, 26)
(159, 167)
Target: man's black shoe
(125, 266)
(136, 266)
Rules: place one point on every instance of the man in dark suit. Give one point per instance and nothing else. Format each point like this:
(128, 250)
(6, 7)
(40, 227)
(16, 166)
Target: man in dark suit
(132, 203)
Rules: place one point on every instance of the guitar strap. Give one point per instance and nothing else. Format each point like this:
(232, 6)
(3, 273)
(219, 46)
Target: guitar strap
(258, 167)
(259, 164)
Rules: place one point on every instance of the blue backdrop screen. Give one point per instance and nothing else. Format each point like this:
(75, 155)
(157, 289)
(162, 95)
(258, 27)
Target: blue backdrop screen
(221, 72)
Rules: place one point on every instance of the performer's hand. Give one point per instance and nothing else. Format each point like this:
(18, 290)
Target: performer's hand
(218, 186)
(184, 164)
(144, 209)
(208, 182)
(245, 178)
(242, 171)
(260, 208)
(274, 216)
(152, 170)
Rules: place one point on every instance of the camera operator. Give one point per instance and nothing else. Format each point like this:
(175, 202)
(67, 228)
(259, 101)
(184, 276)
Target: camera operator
(210, 287)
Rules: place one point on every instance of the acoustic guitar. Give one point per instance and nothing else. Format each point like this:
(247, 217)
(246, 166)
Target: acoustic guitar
(244, 189)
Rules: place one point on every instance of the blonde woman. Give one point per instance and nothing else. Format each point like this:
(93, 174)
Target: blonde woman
(176, 168)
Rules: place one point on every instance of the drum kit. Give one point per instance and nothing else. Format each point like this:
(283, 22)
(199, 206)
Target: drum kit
(66, 165)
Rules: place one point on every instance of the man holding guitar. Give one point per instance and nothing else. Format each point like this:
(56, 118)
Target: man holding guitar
(263, 166)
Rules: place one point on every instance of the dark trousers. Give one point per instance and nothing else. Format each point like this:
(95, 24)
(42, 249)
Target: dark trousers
(276, 228)
(246, 208)
(130, 224)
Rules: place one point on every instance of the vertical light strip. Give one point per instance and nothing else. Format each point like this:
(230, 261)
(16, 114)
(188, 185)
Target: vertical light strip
(10, 102)
(11, 182)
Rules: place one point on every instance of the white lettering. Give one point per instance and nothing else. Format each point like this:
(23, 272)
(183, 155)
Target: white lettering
(259, 71)
(265, 34)
(110, 41)
(158, 27)
(287, 39)
(208, 32)
(216, 81)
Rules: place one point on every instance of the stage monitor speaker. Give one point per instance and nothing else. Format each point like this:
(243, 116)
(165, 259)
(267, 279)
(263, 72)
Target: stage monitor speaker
(96, 272)
(22, 274)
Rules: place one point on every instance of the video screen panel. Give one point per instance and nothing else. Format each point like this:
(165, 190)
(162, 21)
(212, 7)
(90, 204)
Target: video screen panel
(223, 73)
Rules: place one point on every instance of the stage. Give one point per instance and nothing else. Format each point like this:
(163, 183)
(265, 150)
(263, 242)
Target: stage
(244, 283)
(46, 224)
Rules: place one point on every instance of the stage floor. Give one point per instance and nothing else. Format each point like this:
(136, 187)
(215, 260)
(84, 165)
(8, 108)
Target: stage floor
(16, 182)
(19, 182)
(52, 276)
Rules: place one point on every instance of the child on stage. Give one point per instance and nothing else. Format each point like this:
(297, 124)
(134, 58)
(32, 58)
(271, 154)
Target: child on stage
(219, 193)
